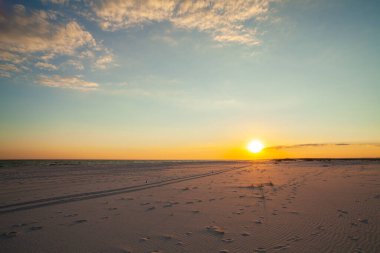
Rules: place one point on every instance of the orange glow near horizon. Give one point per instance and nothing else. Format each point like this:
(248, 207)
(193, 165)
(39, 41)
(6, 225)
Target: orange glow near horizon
(232, 150)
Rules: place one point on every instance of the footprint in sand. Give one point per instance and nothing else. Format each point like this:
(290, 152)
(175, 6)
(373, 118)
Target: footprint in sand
(170, 204)
(295, 239)
(260, 250)
(70, 215)
(34, 228)
(19, 225)
(353, 238)
(81, 221)
(144, 239)
(342, 211)
(281, 247)
(215, 230)
(167, 237)
(9, 234)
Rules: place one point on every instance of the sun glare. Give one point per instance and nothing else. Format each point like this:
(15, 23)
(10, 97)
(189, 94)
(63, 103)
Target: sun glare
(255, 146)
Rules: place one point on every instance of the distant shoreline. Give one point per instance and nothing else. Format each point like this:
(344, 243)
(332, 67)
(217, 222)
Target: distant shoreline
(198, 160)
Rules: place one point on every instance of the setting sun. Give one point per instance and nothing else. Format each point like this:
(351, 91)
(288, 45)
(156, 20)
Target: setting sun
(255, 146)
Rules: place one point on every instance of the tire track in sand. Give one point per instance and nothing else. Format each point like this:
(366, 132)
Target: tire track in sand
(97, 194)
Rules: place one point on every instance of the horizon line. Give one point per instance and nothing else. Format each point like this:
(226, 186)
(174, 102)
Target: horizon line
(206, 160)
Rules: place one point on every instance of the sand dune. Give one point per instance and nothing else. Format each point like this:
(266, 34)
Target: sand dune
(271, 206)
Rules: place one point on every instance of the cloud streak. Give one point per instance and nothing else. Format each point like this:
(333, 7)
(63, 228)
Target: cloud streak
(314, 145)
(55, 1)
(9, 68)
(104, 61)
(45, 65)
(67, 82)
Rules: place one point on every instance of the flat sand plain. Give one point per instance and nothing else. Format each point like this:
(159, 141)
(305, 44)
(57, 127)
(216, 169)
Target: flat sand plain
(267, 206)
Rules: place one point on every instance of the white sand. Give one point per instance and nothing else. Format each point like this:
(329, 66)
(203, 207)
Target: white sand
(288, 206)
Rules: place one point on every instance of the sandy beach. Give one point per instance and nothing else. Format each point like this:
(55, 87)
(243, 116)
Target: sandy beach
(189, 126)
(269, 206)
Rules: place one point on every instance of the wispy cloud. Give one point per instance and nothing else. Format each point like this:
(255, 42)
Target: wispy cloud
(55, 1)
(104, 61)
(45, 65)
(75, 63)
(68, 82)
(35, 32)
(9, 67)
(224, 20)
(167, 39)
(320, 145)
(5, 74)
(7, 56)
(28, 35)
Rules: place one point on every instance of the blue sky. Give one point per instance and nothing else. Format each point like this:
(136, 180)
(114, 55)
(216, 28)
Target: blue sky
(182, 79)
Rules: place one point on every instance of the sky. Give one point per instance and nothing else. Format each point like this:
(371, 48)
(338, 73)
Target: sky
(184, 79)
